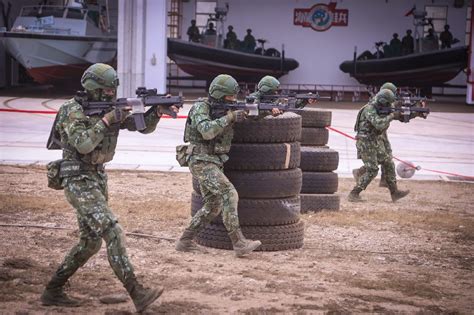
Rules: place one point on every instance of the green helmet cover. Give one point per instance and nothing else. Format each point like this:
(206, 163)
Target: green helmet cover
(99, 76)
(385, 97)
(268, 84)
(389, 86)
(223, 85)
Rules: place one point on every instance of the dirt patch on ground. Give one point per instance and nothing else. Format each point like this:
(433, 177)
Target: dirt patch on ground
(412, 256)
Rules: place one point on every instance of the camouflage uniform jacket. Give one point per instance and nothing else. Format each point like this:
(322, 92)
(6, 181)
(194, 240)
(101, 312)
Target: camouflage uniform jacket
(210, 139)
(87, 138)
(369, 124)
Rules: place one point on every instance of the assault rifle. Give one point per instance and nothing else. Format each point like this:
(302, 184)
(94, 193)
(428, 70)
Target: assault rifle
(145, 97)
(405, 112)
(290, 99)
(253, 109)
(405, 99)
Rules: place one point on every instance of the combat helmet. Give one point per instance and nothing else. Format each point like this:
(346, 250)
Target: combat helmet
(223, 85)
(99, 76)
(385, 97)
(389, 86)
(268, 84)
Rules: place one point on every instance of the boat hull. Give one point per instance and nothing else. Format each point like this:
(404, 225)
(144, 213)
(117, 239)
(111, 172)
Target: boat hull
(58, 59)
(203, 62)
(422, 69)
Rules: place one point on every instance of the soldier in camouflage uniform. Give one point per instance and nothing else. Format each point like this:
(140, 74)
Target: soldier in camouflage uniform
(210, 140)
(384, 138)
(269, 85)
(87, 143)
(371, 147)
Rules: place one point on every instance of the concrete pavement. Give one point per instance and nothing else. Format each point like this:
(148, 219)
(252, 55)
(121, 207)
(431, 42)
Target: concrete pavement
(444, 141)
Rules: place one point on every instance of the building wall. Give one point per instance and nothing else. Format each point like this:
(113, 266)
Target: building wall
(320, 53)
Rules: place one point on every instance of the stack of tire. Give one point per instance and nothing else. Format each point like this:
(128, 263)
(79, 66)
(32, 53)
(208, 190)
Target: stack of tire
(318, 163)
(263, 167)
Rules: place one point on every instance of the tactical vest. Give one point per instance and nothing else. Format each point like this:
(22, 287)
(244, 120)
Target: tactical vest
(219, 145)
(102, 153)
(363, 127)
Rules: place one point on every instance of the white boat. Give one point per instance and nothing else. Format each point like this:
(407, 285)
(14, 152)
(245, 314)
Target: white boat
(57, 43)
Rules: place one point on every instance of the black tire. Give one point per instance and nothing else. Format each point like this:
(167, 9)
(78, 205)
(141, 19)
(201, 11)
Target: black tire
(263, 156)
(319, 183)
(315, 202)
(266, 184)
(273, 238)
(259, 211)
(263, 184)
(317, 159)
(312, 117)
(314, 136)
(283, 128)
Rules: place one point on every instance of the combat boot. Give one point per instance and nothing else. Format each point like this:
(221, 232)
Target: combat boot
(398, 194)
(54, 293)
(354, 195)
(142, 297)
(186, 243)
(242, 246)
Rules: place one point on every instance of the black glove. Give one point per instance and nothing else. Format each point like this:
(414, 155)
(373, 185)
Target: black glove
(116, 115)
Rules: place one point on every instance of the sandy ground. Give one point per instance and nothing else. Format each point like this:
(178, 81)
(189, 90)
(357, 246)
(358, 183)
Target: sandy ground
(412, 256)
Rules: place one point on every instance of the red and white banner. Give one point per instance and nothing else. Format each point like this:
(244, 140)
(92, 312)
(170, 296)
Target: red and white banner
(320, 17)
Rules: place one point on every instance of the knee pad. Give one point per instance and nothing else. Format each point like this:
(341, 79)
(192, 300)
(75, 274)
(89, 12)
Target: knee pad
(115, 241)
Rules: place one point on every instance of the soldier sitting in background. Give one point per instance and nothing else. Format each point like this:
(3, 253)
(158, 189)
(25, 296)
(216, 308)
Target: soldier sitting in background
(210, 30)
(87, 143)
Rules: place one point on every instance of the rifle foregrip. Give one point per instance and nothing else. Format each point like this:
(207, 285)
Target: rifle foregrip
(139, 121)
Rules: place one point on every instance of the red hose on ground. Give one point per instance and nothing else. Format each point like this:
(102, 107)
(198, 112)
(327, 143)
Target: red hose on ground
(183, 116)
(402, 161)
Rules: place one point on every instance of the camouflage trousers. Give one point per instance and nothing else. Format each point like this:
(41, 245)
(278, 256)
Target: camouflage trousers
(388, 149)
(88, 195)
(373, 153)
(219, 196)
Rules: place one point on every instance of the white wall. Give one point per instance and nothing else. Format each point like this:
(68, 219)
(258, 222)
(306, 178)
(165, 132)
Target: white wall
(320, 53)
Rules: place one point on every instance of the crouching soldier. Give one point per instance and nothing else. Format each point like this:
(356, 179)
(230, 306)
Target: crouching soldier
(210, 137)
(87, 143)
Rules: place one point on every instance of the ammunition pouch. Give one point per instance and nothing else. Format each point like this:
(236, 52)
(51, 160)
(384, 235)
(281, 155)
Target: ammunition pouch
(53, 171)
(182, 154)
(73, 168)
